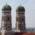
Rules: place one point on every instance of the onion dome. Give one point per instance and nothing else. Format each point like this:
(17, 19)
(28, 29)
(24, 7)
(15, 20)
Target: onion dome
(20, 9)
(6, 7)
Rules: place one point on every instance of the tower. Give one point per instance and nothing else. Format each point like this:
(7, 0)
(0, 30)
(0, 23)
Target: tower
(20, 19)
(6, 18)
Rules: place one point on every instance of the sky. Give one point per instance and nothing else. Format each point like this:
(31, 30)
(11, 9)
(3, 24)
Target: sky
(29, 6)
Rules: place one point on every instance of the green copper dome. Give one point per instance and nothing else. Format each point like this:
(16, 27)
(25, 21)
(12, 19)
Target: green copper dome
(6, 7)
(20, 9)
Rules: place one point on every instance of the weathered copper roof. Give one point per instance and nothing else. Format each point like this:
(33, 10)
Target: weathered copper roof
(6, 7)
(20, 9)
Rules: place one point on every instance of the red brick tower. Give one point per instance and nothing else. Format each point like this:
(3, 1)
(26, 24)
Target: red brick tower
(20, 19)
(6, 18)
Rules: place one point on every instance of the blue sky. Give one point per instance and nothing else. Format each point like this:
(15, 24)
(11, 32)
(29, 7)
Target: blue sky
(29, 13)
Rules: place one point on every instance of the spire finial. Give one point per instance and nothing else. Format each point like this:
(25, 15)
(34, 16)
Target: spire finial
(6, 2)
(20, 3)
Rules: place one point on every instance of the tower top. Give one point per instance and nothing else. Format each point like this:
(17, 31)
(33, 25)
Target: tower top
(20, 9)
(6, 7)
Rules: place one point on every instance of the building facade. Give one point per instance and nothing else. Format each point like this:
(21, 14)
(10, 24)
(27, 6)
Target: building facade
(20, 19)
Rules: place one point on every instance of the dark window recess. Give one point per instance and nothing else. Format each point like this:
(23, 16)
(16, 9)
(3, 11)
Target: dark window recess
(7, 18)
(23, 19)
